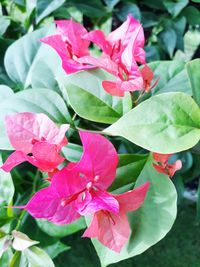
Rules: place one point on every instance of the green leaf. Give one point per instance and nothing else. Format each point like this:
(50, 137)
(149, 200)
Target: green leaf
(128, 169)
(72, 152)
(193, 68)
(168, 40)
(175, 7)
(46, 7)
(173, 77)
(60, 230)
(92, 9)
(151, 222)
(165, 123)
(30, 57)
(88, 98)
(5, 258)
(129, 8)
(192, 15)
(6, 186)
(111, 3)
(33, 100)
(149, 19)
(55, 249)
(4, 23)
(37, 257)
(4, 79)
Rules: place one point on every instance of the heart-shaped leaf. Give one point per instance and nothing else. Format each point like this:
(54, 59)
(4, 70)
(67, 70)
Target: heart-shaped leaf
(165, 123)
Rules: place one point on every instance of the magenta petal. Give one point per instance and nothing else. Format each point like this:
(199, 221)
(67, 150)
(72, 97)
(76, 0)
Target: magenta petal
(133, 199)
(98, 38)
(48, 205)
(13, 160)
(73, 33)
(99, 160)
(45, 156)
(68, 183)
(98, 200)
(111, 230)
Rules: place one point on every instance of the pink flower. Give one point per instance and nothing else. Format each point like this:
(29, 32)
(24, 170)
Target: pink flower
(113, 230)
(37, 135)
(129, 36)
(122, 51)
(80, 188)
(69, 44)
(163, 166)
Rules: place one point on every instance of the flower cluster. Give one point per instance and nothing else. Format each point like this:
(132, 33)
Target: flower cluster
(77, 188)
(122, 52)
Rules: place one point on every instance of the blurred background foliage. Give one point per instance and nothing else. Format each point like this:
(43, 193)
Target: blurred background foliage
(172, 33)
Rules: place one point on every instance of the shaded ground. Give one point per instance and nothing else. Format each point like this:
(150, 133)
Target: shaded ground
(180, 248)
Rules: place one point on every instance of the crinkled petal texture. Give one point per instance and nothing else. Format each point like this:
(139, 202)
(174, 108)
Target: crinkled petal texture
(72, 33)
(119, 87)
(47, 204)
(24, 129)
(70, 45)
(69, 64)
(99, 160)
(57, 203)
(97, 200)
(113, 230)
(35, 134)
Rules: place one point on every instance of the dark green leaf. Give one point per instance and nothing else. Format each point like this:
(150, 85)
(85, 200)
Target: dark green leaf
(175, 7)
(55, 249)
(92, 9)
(193, 68)
(168, 40)
(149, 19)
(128, 169)
(46, 7)
(192, 14)
(129, 8)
